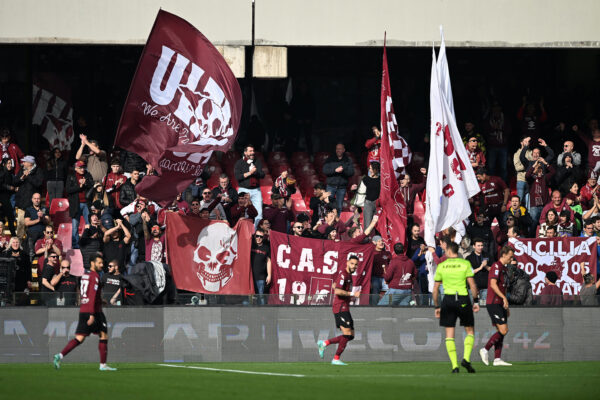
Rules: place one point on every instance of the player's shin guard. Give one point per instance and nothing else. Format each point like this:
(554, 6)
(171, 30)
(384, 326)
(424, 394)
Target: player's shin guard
(341, 346)
(498, 346)
(70, 346)
(451, 349)
(469, 341)
(103, 350)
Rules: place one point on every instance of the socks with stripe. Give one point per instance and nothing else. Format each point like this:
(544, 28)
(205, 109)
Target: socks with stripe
(334, 340)
(103, 350)
(70, 346)
(451, 349)
(469, 341)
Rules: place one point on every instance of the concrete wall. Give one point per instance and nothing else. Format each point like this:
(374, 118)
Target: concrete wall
(289, 334)
(498, 23)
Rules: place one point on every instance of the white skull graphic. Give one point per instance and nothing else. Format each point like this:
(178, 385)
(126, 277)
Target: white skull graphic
(214, 255)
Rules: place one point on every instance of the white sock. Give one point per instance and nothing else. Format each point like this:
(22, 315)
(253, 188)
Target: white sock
(60, 355)
(102, 365)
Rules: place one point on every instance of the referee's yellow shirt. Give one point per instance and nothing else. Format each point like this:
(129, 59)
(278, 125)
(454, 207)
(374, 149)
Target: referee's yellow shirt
(453, 274)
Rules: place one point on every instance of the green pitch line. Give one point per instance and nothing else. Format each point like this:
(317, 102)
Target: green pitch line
(422, 380)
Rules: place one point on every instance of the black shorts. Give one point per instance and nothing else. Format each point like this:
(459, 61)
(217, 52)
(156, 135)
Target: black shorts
(454, 307)
(498, 314)
(98, 326)
(344, 319)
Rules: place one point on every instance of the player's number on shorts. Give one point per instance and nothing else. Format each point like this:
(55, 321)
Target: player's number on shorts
(298, 289)
(84, 287)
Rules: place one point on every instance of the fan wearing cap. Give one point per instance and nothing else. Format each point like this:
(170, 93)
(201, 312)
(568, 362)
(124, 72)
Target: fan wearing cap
(30, 181)
(155, 240)
(95, 159)
(588, 190)
(278, 214)
(10, 150)
(78, 183)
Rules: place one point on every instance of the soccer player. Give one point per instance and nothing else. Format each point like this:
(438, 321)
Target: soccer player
(454, 274)
(497, 307)
(91, 317)
(341, 310)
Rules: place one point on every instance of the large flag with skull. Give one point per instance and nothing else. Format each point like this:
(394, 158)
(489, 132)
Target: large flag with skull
(209, 256)
(183, 104)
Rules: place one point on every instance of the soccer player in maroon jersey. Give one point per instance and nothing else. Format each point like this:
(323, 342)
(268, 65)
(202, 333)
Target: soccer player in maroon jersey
(497, 307)
(341, 310)
(91, 317)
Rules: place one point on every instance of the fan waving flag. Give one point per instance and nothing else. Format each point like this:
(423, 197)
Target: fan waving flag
(450, 181)
(183, 104)
(395, 155)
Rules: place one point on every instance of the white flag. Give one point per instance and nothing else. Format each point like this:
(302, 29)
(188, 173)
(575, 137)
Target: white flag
(450, 179)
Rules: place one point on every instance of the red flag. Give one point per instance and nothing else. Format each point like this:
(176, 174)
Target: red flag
(392, 218)
(183, 104)
(209, 256)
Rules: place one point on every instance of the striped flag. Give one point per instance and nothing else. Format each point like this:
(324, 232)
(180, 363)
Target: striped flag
(395, 155)
(52, 111)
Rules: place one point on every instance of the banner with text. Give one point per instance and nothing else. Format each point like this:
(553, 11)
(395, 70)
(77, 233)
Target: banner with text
(304, 269)
(565, 256)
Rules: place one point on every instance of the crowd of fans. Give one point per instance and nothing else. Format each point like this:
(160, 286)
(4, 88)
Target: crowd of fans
(552, 193)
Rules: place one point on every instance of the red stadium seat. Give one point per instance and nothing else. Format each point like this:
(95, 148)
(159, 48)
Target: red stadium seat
(298, 204)
(64, 233)
(213, 181)
(76, 259)
(419, 211)
(266, 194)
(59, 211)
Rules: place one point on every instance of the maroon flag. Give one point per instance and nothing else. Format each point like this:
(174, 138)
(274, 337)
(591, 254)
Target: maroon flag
(183, 104)
(395, 155)
(52, 110)
(304, 269)
(209, 256)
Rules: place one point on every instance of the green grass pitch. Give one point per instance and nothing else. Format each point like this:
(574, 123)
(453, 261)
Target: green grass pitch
(211, 381)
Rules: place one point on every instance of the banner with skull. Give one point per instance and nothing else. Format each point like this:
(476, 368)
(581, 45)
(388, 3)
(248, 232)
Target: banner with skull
(569, 257)
(183, 104)
(304, 269)
(209, 256)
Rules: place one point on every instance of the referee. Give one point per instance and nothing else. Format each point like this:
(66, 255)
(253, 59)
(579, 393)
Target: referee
(454, 274)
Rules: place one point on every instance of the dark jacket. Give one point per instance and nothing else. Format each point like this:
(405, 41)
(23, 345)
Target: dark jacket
(241, 167)
(22, 269)
(72, 188)
(231, 193)
(56, 170)
(127, 193)
(7, 183)
(338, 179)
(28, 185)
(131, 161)
(90, 245)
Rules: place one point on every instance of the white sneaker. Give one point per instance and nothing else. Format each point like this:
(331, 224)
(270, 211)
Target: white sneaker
(498, 362)
(483, 353)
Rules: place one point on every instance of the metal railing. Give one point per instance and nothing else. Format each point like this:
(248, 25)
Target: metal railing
(52, 299)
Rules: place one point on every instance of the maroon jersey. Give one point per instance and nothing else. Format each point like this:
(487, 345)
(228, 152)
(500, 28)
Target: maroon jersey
(381, 259)
(90, 292)
(493, 190)
(401, 273)
(344, 282)
(496, 272)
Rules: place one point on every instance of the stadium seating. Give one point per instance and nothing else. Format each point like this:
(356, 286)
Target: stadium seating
(75, 258)
(64, 233)
(59, 212)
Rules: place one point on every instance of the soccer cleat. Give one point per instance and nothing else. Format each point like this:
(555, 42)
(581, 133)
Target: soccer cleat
(107, 368)
(456, 371)
(498, 362)
(338, 362)
(467, 366)
(484, 356)
(57, 361)
(321, 346)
